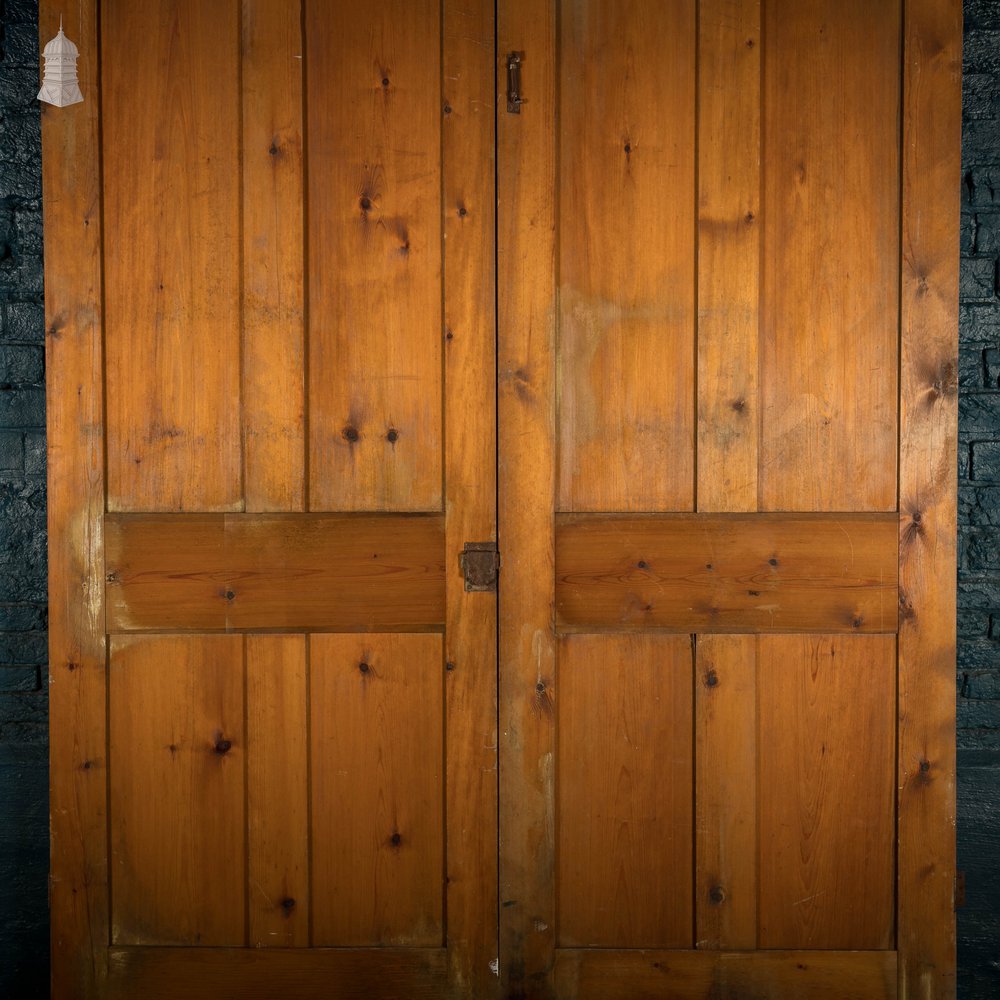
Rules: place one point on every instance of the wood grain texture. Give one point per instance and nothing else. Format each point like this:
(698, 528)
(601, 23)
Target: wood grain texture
(826, 759)
(927, 490)
(374, 252)
(729, 181)
(726, 848)
(273, 389)
(829, 323)
(176, 745)
(292, 974)
(696, 975)
(626, 254)
(526, 392)
(470, 490)
(172, 255)
(74, 399)
(624, 781)
(727, 573)
(259, 571)
(277, 790)
(376, 719)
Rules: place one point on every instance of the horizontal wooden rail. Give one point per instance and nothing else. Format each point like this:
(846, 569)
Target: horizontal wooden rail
(727, 572)
(604, 974)
(289, 973)
(234, 572)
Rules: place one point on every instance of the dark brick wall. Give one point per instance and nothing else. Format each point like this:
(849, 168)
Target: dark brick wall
(979, 509)
(23, 774)
(23, 767)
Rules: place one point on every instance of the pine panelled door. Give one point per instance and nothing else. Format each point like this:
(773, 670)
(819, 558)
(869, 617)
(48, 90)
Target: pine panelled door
(659, 299)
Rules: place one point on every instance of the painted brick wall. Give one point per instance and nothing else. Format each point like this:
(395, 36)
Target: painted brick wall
(979, 509)
(23, 767)
(23, 773)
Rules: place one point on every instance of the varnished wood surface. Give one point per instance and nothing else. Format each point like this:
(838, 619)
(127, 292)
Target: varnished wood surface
(932, 59)
(256, 974)
(258, 571)
(78, 883)
(273, 377)
(468, 147)
(826, 748)
(830, 276)
(526, 362)
(626, 245)
(729, 245)
(726, 791)
(693, 975)
(625, 756)
(727, 573)
(373, 78)
(277, 740)
(177, 756)
(376, 729)
(171, 204)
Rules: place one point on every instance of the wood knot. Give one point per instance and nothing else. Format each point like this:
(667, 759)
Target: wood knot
(925, 766)
(229, 595)
(274, 149)
(385, 81)
(717, 895)
(449, 665)
(350, 433)
(772, 561)
(462, 211)
(642, 564)
(749, 217)
(857, 621)
(395, 840)
(711, 679)
(392, 436)
(540, 687)
(739, 405)
(365, 203)
(222, 746)
(364, 667)
(447, 109)
(288, 904)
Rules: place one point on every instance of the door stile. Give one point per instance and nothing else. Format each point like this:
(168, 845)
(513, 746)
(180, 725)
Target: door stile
(526, 260)
(931, 169)
(71, 179)
(469, 350)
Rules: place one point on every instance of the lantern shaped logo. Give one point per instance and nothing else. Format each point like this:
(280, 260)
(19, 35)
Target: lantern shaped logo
(59, 84)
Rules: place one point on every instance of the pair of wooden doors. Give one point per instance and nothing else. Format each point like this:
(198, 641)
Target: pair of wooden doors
(299, 257)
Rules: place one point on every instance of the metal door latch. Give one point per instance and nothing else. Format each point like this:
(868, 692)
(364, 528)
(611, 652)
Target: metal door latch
(514, 99)
(480, 563)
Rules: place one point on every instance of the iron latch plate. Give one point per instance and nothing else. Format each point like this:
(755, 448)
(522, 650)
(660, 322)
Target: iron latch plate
(480, 563)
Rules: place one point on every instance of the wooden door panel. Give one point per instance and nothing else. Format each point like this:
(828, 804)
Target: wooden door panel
(299, 440)
(272, 571)
(171, 156)
(830, 176)
(626, 267)
(770, 537)
(377, 806)
(726, 573)
(624, 807)
(826, 754)
(373, 76)
(177, 753)
(277, 699)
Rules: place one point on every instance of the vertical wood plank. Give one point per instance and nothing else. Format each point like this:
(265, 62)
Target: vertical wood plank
(626, 255)
(172, 255)
(829, 326)
(71, 185)
(376, 710)
(726, 792)
(927, 491)
(273, 265)
(728, 253)
(374, 251)
(470, 490)
(624, 779)
(277, 792)
(177, 790)
(826, 737)
(526, 384)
